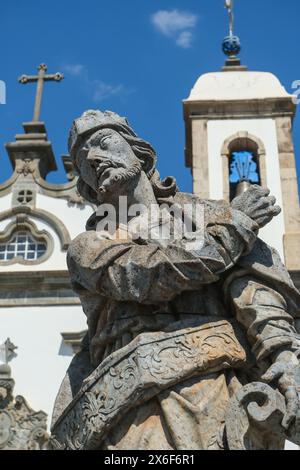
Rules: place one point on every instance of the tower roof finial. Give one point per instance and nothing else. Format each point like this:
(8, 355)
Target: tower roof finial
(231, 44)
(229, 6)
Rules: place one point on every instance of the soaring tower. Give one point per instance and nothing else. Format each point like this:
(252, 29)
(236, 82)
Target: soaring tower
(239, 132)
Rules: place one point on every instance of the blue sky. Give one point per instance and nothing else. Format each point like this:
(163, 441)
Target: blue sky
(139, 58)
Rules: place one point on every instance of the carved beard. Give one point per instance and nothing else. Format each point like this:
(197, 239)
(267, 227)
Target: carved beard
(115, 176)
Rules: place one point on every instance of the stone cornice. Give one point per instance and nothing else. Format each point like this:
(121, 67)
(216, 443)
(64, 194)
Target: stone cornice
(67, 191)
(36, 288)
(239, 108)
(55, 190)
(74, 339)
(235, 109)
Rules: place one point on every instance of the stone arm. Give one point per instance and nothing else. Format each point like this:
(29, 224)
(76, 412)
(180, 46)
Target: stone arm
(263, 312)
(126, 271)
(275, 342)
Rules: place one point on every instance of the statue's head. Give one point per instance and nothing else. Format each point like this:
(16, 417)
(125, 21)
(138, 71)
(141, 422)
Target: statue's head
(110, 157)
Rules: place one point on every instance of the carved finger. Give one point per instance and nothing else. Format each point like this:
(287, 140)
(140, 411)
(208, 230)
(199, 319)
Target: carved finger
(270, 211)
(263, 221)
(275, 210)
(266, 202)
(274, 372)
(259, 190)
(265, 216)
(291, 396)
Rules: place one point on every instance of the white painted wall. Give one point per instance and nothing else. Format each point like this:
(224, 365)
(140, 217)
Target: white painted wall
(42, 358)
(264, 129)
(41, 361)
(72, 215)
(5, 202)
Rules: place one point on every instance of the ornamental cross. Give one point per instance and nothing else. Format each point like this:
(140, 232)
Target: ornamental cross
(229, 6)
(40, 79)
(7, 351)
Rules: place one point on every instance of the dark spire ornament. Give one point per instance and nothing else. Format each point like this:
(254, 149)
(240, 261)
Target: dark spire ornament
(231, 44)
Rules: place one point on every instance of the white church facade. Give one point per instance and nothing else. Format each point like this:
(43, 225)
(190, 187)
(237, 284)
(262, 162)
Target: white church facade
(38, 310)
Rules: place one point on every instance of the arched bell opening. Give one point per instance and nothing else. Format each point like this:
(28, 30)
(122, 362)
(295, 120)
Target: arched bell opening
(244, 163)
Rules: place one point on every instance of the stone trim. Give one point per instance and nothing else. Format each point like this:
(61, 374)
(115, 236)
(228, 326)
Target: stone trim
(74, 340)
(46, 216)
(288, 175)
(241, 141)
(5, 188)
(200, 169)
(239, 109)
(22, 223)
(36, 288)
(67, 191)
(51, 188)
(290, 192)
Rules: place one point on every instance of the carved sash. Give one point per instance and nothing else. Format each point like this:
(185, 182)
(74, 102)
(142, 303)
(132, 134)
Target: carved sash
(134, 374)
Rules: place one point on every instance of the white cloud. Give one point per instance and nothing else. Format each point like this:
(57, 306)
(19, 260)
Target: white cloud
(75, 69)
(184, 39)
(176, 24)
(98, 89)
(103, 90)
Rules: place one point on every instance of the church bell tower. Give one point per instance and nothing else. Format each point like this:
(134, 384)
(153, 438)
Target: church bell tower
(239, 132)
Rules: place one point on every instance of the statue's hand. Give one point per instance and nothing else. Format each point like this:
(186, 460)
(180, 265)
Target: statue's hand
(285, 373)
(257, 204)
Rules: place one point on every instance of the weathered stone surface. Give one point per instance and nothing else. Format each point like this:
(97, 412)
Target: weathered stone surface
(21, 428)
(178, 326)
(133, 375)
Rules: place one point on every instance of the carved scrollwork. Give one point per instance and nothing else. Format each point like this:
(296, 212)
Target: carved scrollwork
(151, 362)
(255, 412)
(26, 167)
(21, 428)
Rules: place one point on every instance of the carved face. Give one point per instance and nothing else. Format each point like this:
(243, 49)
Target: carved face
(108, 164)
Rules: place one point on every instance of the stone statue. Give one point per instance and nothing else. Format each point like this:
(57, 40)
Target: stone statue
(192, 340)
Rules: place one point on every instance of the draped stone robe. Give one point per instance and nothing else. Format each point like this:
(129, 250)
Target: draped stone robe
(128, 288)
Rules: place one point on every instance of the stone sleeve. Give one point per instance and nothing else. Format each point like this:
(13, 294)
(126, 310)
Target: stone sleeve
(263, 313)
(126, 271)
(235, 234)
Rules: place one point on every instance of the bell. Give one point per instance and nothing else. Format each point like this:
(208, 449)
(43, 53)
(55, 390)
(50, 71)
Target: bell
(242, 187)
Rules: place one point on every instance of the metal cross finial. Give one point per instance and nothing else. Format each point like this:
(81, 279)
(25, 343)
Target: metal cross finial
(7, 351)
(40, 79)
(229, 6)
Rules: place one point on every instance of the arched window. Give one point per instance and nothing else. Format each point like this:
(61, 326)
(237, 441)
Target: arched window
(243, 166)
(22, 245)
(244, 160)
